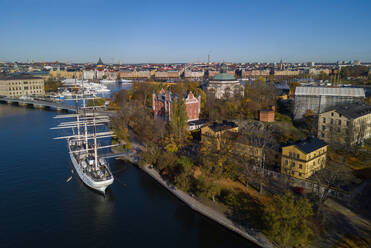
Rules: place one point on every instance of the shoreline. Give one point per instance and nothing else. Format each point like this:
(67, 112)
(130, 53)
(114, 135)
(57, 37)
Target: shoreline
(257, 238)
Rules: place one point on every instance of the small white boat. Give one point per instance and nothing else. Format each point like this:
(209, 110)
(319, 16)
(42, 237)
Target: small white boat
(126, 81)
(107, 81)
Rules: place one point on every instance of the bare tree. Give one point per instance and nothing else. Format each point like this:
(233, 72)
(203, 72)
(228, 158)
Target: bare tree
(332, 177)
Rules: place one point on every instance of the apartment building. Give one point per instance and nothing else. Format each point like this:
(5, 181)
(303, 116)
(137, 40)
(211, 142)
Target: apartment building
(345, 124)
(303, 158)
(21, 85)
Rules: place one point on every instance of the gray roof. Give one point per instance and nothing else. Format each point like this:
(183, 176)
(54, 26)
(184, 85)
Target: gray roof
(325, 91)
(352, 111)
(310, 144)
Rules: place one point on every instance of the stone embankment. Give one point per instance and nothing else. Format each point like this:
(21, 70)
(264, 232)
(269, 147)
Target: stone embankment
(255, 237)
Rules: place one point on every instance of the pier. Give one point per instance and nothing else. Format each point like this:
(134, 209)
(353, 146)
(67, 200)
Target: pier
(39, 103)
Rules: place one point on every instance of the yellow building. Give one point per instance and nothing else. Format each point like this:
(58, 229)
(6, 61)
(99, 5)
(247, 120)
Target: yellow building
(64, 73)
(22, 85)
(303, 158)
(345, 124)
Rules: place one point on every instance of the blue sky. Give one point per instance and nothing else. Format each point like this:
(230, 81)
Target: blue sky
(185, 31)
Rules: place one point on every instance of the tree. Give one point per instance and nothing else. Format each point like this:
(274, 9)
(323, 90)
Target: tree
(333, 176)
(207, 189)
(285, 220)
(178, 122)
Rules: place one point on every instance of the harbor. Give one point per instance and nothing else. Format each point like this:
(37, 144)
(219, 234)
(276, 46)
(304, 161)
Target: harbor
(53, 209)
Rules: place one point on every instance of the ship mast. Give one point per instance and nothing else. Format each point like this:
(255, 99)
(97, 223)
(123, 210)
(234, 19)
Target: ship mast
(95, 138)
(83, 104)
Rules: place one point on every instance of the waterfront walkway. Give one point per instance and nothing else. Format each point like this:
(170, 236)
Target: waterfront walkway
(257, 238)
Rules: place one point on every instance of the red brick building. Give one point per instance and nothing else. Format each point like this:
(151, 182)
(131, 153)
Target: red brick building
(266, 115)
(162, 102)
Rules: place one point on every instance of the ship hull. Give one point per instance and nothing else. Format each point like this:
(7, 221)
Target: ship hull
(98, 186)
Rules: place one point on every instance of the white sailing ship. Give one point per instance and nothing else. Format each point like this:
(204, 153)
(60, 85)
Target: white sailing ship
(83, 146)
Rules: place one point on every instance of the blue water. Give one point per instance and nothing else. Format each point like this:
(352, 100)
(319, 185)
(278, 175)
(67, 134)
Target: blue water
(38, 208)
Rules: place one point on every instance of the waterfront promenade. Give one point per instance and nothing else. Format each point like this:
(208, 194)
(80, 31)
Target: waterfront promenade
(257, 238)
(247, 233)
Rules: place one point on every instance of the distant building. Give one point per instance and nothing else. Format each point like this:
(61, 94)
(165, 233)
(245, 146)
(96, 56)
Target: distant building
(193, 75)
(224, 85)
(100, 63)
(255, 73)
(135, 74)
(162, 105)
(167, 75)
(89, 74)
(21, 85)
(64, 73)
(304, 158)
(266, 115)
(319, 99)
(346, 124)
(286, 73)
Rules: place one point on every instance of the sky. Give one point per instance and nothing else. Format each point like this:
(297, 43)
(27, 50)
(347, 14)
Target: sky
(164, 31)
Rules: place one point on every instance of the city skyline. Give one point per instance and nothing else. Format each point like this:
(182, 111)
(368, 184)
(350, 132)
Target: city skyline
(168, 32)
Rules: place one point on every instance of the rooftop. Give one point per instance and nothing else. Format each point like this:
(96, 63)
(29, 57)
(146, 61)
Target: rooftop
(223, 77)
(326, 91)
(310, 144)
(352, 111)
(225, 125)
(17, 76)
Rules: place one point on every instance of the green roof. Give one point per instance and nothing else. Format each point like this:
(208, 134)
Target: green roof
(223, 77)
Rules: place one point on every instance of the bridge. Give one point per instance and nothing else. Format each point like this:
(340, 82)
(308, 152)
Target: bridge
(38, 103)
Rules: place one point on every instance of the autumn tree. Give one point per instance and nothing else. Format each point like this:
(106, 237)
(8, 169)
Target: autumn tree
(178, 124)
(285, 220)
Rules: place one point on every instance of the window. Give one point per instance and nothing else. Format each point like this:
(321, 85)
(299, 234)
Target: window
(332, 121)
(322, 135)
(300, 174)
(297, 156)
(332, 113)
(300, 166)
(348, 123)
(324, 120)
(340, 115)
(286, 162)
(323, 128)
(339, 122)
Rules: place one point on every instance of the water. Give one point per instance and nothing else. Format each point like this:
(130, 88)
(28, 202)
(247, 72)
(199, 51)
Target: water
(39, 209)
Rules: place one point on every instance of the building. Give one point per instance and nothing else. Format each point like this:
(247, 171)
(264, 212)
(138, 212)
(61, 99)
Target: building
(21, 85)
(319, 99)
(255, 73)
(193, 75)
(162, 103)
(224, 85)
(167, 75)
(64, 73)
(135, 74)
(303, 158)
(217, 131)
(286, 73)
(266, 115)
(345, 124)
(226, 133)
(100, 63)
